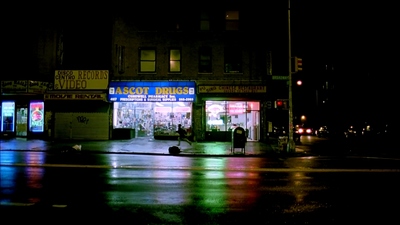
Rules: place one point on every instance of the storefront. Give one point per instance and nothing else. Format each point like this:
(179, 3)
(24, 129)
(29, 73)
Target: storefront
(22, 109)
(227, 107)
(77, 108)
(81, 116)
(151, 108)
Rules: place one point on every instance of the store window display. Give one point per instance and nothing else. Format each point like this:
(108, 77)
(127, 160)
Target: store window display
(148, 118)
(134, 115)
(224, 116)
(168, 115)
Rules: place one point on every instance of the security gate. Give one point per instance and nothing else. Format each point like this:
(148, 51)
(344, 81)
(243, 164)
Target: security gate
(82, 125)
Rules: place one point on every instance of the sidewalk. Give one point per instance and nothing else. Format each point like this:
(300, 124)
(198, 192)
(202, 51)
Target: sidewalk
(145, 146)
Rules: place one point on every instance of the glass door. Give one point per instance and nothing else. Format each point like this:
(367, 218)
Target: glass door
(22, 122)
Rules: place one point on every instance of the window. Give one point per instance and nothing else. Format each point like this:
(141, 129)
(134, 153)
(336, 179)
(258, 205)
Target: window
(147, 60)
(121, 58)
(232, 20)
(233, 60)
(174, 60)
(204, 21)
(205, 65)
(223, 116)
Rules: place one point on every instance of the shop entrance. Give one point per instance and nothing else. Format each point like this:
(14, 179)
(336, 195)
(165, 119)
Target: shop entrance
(223, 116)
(22, 122)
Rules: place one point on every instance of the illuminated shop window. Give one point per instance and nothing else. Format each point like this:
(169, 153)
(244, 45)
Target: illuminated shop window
(148, 118)
(227, 115)
(7, 116)
(36, 119)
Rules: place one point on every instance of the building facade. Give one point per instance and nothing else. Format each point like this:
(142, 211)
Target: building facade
(207, 68)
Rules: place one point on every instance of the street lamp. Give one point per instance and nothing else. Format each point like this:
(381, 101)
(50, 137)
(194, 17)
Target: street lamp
(299, 83)
(291, 144)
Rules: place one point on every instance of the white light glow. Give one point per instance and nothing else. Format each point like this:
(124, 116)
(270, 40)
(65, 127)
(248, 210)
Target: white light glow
(215, 122)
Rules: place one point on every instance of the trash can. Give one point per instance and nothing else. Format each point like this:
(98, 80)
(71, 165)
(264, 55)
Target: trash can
(282, 143)
(239, 139)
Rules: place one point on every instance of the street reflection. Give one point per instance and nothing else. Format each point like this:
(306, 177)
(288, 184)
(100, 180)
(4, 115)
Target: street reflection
(34, 176)
(7, 157)
(206, 183)
(240, 182)
(8, 175)
(35, 158)
(299, 184)
(296, 181)
(7, 183)
(206, 188)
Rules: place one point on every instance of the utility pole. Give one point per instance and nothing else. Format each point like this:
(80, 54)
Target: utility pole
(291, 144)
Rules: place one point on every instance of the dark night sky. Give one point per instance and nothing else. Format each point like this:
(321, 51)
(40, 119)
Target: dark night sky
(359, 39)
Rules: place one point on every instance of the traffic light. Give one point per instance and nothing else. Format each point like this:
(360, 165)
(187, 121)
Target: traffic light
(298, 64)
(281, 104)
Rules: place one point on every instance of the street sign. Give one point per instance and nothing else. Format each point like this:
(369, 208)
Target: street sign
(280, 77)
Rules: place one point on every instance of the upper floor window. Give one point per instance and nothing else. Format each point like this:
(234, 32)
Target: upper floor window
(121, 58)
(204, 20)
(232, 20)
(205, 65)
(147, 59)
(233, 60)
(175, 60)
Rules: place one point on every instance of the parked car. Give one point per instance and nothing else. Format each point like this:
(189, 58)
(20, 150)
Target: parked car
(352, 132)
(305, 130)
(322, 131)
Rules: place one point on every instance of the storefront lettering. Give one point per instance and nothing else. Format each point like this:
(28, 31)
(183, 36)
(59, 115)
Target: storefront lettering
(59, 96)
(96, 96)
(6, 83)
(132, 90)
(207, 88)
(37, 84)
(158, 90)
(172, 90)
(93, 74)
(81, 79)
(20, 82)
(75, 96)
(152, 91)
(232, 89)
(72, 84)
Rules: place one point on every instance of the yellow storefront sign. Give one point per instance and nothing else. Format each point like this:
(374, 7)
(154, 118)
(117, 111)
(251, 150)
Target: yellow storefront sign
(232, 89)
(81, 79)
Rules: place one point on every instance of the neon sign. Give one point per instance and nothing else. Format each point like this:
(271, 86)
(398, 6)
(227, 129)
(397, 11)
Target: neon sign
(148, 91)
(36, 120)
(8, 116)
